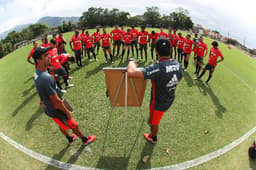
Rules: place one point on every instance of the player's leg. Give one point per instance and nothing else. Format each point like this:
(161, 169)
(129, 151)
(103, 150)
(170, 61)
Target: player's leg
(93, 53)
(118, 47)
(146, 51)
(110, 54)
(133, 46)
(88, 54)
(210, 74)
(77, 57)
(128, 51)
(105, 54)
(114, 48)
(141, 51)
(124, 48)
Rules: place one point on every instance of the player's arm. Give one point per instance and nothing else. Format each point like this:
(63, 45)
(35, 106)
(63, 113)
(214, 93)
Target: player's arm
(206, 52)
(60, 105)
(221, 58)
(133, 71)
(30, 61)
(70, 44)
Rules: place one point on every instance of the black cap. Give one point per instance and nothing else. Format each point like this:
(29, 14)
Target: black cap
(39, 51)
(163, 46)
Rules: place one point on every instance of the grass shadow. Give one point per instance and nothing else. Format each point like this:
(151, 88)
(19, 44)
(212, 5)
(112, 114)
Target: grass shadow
(57, 156)
(107, 162)
(36, 115)
(76, 155)
(220, 109)
(96, 70)
(23, 104)
(252, 163)
(26, 92)
(146, 155)
(28, 80)
(188, 79)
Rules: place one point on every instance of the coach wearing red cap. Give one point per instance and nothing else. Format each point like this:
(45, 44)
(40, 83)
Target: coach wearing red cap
(165, 76)
(53, 105)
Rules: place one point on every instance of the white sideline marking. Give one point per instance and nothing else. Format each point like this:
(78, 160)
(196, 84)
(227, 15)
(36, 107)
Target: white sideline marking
(209, 156)
(183, 165)
(42, 158)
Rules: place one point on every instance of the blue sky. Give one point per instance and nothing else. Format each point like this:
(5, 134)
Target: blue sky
(235, 17)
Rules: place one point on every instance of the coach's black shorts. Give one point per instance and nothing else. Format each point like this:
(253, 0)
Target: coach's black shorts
(209, 67)
(117, 42)
(78, 53)
(143, 46)
(199, 59)
(106, 47)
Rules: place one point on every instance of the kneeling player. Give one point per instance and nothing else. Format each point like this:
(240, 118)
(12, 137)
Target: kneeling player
(213, 60)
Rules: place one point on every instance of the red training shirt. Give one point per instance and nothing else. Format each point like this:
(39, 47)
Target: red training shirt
(76, 42)
(188, 46)
(55, 61)
(201, 47)
(143, 37)
(134, 33)
(105, 40)
(127, 37)
(96, 36)
(117, 34)
(180, 42)
(214, 54)
(89, 41)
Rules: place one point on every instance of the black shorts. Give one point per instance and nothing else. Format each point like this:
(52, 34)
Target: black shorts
(78, 53)
(134, 42)
(96, 44)
(106, 47)
(209, 67)
(153, 46)
(199, 59)
(186, 54)
(60, 72)
(180, 50)
(127, 44)
(143, 46)
(117, 42)
(89, 49)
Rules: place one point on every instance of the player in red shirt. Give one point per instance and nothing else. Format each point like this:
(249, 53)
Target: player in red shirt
(135, 41)
(56, 66)
(45, 43)
(127, 39)
(31, 53)
(61, 42)
(123, 32)
(170, 37)
(96, 39)
(201, 52)
(162, 34)
(188, 43)
(152, 42)
(175, 36)
(143, 40)
(83, 36)
(213, 61)
(117, 37)
(89, 46)
(106, 38)
(196, 39)
(77, 44)
(180, 43)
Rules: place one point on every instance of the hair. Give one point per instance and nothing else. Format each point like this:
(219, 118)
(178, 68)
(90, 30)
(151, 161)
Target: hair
(153, 32)
(215, 44)
(163, 46)
(53, 35)
(143, 27)
(53, 41)
(34, 42)
(128, 30)
(179, 33)
(189, 35)
(196, 34)
(252, 152)
(87, 32)
(83, 29)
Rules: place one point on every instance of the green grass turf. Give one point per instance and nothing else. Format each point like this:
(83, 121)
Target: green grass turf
(226, 109)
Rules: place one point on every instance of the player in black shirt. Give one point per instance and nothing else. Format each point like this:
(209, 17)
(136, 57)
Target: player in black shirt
(165, 76)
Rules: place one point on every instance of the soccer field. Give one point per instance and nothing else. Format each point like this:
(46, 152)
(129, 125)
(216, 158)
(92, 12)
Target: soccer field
(226, 108)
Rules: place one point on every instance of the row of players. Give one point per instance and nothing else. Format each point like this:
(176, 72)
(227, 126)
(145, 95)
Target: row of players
(180, 46)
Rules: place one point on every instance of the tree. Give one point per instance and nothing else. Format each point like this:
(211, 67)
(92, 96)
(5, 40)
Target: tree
(135, 20)
(152, 16)
(179, 19)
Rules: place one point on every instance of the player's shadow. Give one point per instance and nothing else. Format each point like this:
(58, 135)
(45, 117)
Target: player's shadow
(145, 158)
(188, 79)
(96, 70)
(57, 156)
(26, 92)
(28, 80)
(36, 115)
(220, 109)
(252, 163)
(76, 155)
(23, 104)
